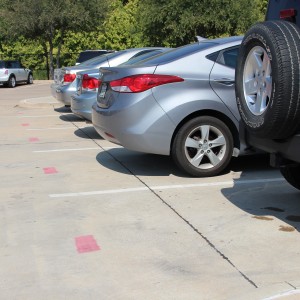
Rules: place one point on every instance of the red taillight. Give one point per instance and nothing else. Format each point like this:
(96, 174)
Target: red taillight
(141, 83)
(6, 72)
(69, 77)
(287, 13)
(90, 82)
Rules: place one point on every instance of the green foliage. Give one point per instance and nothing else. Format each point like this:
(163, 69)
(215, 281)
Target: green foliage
(51, 33)
(177, 22)
(121, 28)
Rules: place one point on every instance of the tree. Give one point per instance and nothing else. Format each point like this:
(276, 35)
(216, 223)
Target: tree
(177, 22)
(121, 28)
(48, 21)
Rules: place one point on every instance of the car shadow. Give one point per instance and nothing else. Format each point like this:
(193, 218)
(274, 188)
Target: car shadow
(140, 164)
(71, 118)
(63, 109)
(267, 200)
(88, 133)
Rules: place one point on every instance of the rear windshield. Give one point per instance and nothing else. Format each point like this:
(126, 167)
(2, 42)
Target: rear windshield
(83, 56)
(101, 59)
(2, 64)
(178, 53)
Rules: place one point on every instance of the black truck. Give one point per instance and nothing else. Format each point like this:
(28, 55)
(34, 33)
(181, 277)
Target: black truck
(268, 86)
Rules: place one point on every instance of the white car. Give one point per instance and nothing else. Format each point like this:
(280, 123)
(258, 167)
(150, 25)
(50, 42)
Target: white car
(12, 72)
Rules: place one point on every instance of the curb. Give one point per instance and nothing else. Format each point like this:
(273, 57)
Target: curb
(40, 102)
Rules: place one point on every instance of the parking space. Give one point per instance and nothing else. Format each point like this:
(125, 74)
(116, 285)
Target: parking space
(82, 218)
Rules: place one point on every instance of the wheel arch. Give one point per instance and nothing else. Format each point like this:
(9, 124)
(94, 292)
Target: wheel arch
(212, 113)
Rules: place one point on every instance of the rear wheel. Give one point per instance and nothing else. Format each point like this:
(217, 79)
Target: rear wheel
(12, 82)
(291, 173)
(30, 79)
(203, 147)
(267, 79)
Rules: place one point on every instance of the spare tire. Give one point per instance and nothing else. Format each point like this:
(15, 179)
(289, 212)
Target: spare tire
(267, 79)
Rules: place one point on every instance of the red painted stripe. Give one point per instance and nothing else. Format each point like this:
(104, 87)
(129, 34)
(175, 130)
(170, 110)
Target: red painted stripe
(86, 243)
(33, 139)
(50, 170)
(25, 124)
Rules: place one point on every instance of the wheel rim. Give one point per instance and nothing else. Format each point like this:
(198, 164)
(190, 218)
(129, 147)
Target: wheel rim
(30, 78)
(13, 81)
(257, 80)
(205, 147)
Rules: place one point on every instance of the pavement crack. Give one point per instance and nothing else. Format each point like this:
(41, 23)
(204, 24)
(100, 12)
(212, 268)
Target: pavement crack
(291, 285)
(182, 218)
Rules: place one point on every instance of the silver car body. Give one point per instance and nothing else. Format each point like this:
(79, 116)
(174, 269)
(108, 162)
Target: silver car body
(63, 91)
(147, 121)
(83, 100)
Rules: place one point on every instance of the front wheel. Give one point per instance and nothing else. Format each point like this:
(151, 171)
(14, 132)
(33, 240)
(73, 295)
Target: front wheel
(11, 82)
(203, 147)
(291, 173)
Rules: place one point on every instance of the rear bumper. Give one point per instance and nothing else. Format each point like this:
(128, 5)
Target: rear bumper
(81, 105)
(63, 93)
(288, 149)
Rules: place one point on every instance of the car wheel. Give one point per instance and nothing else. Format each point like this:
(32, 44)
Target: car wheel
(267, 79)
(12, 82)
(203, 146)
(291, 173)
(30, 79)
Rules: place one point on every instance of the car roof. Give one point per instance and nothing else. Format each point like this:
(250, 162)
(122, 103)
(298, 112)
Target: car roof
(189, 49)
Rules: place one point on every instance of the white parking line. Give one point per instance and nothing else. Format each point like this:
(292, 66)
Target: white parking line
(51, 128)
(40, 116)
(165, 187)
(283, 295)
(75, 149)
(66, 150)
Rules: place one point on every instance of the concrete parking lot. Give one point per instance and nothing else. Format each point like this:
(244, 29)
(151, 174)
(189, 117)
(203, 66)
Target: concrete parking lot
(82, 218)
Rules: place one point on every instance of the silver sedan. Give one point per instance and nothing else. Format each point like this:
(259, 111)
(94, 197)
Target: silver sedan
(87, 83)
(64, 85)
(181, 103)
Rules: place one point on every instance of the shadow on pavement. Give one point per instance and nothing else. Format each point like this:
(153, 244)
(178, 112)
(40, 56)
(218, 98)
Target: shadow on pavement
(88, 133)
(140, 164)
(267, 200)
(63, 109)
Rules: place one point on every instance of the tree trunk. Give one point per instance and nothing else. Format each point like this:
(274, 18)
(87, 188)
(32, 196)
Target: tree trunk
(51, 61)
(61, 41)
(46, 57)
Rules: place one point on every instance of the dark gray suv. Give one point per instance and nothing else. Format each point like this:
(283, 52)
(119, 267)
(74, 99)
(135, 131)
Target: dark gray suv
(268, 86)
(12, 72)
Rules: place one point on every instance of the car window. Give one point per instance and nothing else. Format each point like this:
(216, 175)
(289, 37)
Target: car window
(2, 64)
(16, 65)
(86, 55)
(229, 57)
(213, 56)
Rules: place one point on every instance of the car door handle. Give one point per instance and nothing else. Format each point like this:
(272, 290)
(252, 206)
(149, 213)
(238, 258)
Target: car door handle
(225, 81)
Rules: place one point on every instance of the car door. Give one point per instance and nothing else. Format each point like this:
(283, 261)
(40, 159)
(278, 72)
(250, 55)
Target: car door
(222, 78)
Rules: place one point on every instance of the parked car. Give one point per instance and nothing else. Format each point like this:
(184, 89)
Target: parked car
(87, 83)
(89, 54)
(12, 72)
(181, 103)
(64, 79)
(268, 89)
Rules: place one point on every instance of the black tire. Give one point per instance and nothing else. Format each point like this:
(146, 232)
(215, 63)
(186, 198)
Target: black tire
(291, 173)
(274, 45)
(30, 78)
(12, 82)
(202, 133)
